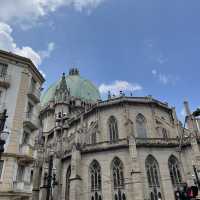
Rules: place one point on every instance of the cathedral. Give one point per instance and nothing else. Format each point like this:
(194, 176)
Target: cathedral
(121, 148)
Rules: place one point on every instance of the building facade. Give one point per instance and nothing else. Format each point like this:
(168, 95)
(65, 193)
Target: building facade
(20, 84)
(123, 148)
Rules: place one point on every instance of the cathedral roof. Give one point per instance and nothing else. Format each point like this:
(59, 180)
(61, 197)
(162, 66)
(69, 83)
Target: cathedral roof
(78, 87)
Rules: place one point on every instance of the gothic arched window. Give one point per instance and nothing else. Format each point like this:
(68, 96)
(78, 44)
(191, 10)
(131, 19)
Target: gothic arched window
(164, 133)
(141, 126)
(93, 132)
(118, 179)
(67, 189)
(113, 129)
(153, 176)
(94, 138)
(95, 180)
(174, 170)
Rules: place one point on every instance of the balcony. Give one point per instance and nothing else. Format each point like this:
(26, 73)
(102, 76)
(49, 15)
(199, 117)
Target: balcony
(31, 121)
(20, 186)
(5, 80)
(34, 94)
(161, 142)
(27, 152)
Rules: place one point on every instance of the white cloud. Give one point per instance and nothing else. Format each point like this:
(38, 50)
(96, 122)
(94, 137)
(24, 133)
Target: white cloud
(154, 72)
(31, 10)
(28, 52)
(161, 59)
(8, 43)
(164, 78)
(118, 86)
(43, 74)
(47, 53)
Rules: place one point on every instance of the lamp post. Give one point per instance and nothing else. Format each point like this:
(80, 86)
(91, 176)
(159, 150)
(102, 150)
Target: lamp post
(3, 133)
(49, 179)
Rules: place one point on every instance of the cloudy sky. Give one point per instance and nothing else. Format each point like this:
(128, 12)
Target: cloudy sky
(138, 46)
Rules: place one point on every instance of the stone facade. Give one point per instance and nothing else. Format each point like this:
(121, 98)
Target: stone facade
(18, 91)
(121, 138)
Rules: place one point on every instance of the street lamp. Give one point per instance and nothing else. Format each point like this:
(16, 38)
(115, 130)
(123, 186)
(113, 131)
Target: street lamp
(50, 178)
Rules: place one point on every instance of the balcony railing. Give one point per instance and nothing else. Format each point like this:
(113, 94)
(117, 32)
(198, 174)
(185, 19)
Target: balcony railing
(20, 186)
(5, 80)
(31, 121)
(34, 94)
(162, 142)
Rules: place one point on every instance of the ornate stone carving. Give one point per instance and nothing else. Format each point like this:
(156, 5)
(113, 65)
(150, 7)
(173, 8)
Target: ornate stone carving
(129, 127)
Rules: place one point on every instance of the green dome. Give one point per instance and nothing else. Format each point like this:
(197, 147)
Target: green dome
(79, 87)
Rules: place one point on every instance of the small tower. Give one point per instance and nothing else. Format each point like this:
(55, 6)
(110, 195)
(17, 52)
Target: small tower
(62, 96)
(62, 92)
(109, 95)
(73, 71)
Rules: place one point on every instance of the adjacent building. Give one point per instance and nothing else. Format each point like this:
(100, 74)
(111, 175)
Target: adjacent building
(20, 88)
(123, 148)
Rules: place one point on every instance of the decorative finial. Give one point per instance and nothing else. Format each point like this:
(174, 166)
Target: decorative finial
(109, 95)
(73, 71)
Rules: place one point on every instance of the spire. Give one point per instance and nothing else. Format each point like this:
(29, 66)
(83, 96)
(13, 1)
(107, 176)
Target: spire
(187, 108)
(63, 84)
(62, 92)
(109, 95)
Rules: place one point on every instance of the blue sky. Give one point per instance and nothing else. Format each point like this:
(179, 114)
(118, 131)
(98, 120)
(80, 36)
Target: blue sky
(144, 46)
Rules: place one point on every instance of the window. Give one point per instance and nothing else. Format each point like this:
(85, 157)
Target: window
(1, 96)
(164, 133)
(93, 130)
(153, 177)
(67, 189)
(113, 129)
(31, 176)
(40, 176)
(93, 138)
(3, 69)
(29, 110)
(174, 170)
(26, 138)
(95, 180)
(1, 167)
(20, 173)
(141, 126)
(118, 179)
(33, 84)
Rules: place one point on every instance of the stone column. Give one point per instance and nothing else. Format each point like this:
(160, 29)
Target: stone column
(75, 179)
(36, 181)
(57, 188)
(43, 189)
(166, 183)
(138, 187)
